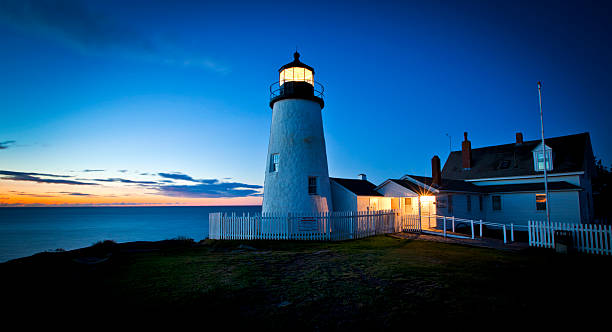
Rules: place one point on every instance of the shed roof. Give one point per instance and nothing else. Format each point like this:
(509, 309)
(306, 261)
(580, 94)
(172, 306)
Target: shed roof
(357, 186)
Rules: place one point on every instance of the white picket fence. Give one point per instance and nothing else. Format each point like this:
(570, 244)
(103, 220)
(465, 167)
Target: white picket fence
(329, 226)
(588, 238)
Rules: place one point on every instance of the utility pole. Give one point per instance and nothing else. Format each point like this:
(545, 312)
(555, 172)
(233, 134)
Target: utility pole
(544, 153)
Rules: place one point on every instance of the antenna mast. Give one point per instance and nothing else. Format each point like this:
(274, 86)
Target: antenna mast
(544, 153)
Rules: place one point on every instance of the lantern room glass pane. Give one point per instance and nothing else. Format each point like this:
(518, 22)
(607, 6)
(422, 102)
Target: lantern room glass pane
(296, 74)
(308, 76)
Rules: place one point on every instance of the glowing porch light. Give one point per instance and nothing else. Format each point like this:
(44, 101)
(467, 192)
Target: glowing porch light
(426, 198)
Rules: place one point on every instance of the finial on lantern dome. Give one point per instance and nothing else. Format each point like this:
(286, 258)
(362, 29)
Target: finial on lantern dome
(296, 56)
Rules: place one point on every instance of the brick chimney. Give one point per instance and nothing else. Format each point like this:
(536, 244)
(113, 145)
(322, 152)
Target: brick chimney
(436, 174)
(466, 152)
(519, 138)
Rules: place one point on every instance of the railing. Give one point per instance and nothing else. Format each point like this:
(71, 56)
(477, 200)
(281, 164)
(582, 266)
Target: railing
(278, 90)
(588, 238)
(442, 224)
(329, 226)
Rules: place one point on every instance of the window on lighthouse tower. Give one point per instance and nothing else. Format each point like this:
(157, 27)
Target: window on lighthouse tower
(312, 185)
(274, 162)
(296, 74)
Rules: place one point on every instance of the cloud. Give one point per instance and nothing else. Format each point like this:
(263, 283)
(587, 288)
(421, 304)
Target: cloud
(205, 188)
(30, 173)
(73, 193)
(36, 177)
(21, 193)
(93, 170)
(177, 176)
(6, 144)
(78, 25)
(210, 190)
(124, 181)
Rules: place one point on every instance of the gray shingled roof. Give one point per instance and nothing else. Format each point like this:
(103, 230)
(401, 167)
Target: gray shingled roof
(357, 186)
(569, 155)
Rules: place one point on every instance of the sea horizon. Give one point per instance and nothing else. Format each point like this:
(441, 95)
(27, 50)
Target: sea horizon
(28, 230)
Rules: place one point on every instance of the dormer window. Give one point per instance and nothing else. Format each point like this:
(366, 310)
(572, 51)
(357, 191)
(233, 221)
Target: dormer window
(538, 159)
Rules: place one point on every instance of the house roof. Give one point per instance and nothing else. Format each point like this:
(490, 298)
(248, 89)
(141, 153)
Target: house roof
(447, 184)
(508, 160)
(358, 187)
(412, 186)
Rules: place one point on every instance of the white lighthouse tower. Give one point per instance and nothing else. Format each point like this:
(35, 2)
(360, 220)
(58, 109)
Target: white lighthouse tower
(296, 179)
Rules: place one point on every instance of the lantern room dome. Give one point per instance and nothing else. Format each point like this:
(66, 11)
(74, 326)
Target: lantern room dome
(296, 63)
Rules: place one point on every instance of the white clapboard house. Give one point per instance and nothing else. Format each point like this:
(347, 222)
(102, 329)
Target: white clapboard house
(505, 183)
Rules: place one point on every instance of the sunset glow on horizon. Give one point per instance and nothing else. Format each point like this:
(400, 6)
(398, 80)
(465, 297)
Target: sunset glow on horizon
(169, 189)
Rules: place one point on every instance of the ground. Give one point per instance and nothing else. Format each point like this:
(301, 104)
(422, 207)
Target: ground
(376, 282)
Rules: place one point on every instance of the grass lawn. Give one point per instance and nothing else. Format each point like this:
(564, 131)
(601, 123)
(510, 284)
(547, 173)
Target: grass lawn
(375, 282)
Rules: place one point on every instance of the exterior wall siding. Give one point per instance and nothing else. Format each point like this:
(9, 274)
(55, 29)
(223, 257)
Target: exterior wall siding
(344, 200)
(516, 208)
(519, 208)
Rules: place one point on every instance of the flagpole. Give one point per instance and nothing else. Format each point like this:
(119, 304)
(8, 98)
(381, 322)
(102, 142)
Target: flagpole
(544, 153)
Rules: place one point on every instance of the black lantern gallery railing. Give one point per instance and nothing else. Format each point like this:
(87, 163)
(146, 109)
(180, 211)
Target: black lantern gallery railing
(296, 88)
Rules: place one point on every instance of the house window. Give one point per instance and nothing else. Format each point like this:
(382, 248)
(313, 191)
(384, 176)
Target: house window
(408, 201)
(496, 203)
(274, 162)
(312, 185)
(480, 202)
(538, 157)
(469, 203)
(450, 203)
(540, 201)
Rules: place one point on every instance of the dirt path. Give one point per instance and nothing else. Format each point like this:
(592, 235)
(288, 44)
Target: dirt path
(477, 242)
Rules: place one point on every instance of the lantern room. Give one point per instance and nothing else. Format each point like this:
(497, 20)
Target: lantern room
(296, 80)
(296, 71)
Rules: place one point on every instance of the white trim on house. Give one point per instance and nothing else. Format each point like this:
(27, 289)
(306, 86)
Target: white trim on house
(524, 177)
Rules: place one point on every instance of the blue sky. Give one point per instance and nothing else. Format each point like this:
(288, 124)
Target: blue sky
(141, 88)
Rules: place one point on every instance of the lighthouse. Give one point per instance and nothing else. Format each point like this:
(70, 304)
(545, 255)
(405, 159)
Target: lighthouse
(296, 177)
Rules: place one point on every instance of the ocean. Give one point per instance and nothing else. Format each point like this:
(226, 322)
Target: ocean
(25, 231)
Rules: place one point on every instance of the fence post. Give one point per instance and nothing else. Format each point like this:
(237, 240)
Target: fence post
(472, 227)
(480, 227)
(444, 226)
(511, 232)
(504, 233)
(453, 219)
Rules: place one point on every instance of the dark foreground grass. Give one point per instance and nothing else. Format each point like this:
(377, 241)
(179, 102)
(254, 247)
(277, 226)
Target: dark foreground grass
(376, 283)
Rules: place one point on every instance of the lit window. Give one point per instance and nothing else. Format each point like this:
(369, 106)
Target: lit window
(540, 201)
(295, 74)
(312, 185)
(496, 203)
(538, 157)
(274, 162)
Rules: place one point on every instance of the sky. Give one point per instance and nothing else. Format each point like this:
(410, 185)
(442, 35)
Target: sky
(166, 103)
